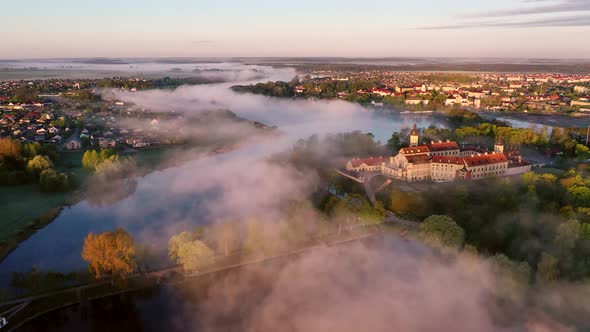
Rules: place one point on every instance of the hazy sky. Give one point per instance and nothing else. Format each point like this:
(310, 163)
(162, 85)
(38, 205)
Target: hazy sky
(379, 28)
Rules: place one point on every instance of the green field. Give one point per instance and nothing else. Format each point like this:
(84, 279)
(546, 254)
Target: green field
(22, 210)
(25, 209)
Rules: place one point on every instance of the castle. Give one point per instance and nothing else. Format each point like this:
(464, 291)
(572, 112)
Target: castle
(443, 162)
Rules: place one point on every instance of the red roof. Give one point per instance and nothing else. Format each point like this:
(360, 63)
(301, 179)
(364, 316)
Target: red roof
(419, 159)
(381, 90)
(486, 159)
(368, 161)
(415, 150)
(515, 159)
(448, 160)
(443, 146)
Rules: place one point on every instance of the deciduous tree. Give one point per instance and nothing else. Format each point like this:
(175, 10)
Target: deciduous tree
(110, 254)
(548, 267)
(195, 255)
(224, 235)
(443, 230)
(38, 164)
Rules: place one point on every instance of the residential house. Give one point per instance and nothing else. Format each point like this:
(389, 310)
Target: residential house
(73, 144)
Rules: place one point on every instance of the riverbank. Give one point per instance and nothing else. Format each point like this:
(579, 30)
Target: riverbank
(25, 209)
(29, 212)
(39, 305)
(541, 119)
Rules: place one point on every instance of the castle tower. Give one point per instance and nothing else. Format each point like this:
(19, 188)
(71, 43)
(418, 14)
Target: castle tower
(499, 146)
(414, 138)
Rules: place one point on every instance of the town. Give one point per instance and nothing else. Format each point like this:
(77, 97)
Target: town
(428, 91)
(81, 142)
(72, 115)
(295, 166)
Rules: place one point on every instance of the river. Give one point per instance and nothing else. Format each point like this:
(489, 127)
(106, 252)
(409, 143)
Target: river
(200, 304)
(176, 199)
(154, 210)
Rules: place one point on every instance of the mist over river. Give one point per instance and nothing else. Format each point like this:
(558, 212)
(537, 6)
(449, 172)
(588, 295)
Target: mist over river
(385, 284)
(154, 208)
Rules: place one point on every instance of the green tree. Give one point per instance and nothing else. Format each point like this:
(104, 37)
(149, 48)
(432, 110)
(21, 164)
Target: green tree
(359, 207)
(93, 159)
(580, 195)
(176, 241)
(566, 236)
(30, 150)
(443, 230)
(52, 181)
(90, 159)
(582, 152)
(512, 278)
(395, 142)
(195, 255)
(548, 267)
(38, 164)
(225, 236)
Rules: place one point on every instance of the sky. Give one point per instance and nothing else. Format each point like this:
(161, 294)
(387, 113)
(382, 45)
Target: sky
(259, 28)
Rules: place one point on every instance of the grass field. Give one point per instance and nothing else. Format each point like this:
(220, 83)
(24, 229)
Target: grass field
(23, 209)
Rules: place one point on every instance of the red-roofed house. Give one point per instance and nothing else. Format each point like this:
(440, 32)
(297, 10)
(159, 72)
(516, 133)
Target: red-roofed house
(486, 165)
(441, 148)
(366, 165)
(415, 150)
(517, 164)
(409, 167)
(381, 92)
(445, 168)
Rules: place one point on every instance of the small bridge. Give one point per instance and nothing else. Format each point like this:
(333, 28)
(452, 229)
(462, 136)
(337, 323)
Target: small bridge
(352, 177)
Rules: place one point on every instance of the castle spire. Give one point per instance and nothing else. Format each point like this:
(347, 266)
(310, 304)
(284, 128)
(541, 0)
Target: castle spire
(415, 130)
(499, 146)
(414, 138)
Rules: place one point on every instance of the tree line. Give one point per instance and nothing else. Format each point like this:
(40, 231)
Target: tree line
(22, 163)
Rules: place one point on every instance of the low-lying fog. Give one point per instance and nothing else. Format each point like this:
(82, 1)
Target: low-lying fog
(234, 184)
(336, 290)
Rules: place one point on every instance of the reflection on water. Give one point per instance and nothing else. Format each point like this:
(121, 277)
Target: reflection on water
(105, 194)
(147, 210)
(198, 304)
(151, 211)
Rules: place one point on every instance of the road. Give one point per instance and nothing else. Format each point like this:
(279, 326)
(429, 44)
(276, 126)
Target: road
(367, 177)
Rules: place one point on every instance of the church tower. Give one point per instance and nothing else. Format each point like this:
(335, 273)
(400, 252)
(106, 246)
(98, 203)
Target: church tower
(414, 138)
(499, 146)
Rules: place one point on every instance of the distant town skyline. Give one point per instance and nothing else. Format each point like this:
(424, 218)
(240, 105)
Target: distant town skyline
(261, 28)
